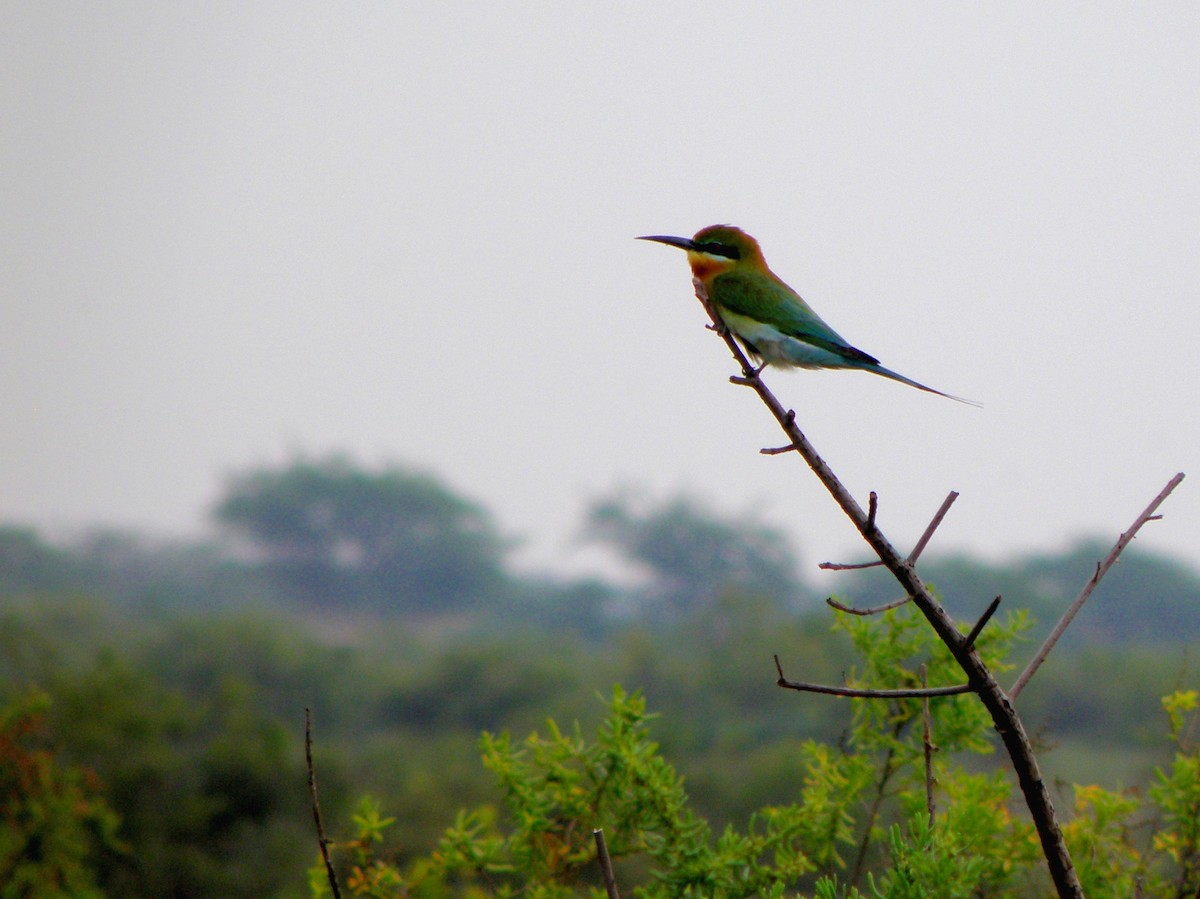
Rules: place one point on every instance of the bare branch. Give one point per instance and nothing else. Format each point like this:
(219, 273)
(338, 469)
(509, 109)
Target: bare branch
(1101, 569)
(983, 620)
(316, 807)
(849, 566)
(857, 693)
(894, 604)
(933, 526)
(606, 867)
(872, 508)
(927, 741)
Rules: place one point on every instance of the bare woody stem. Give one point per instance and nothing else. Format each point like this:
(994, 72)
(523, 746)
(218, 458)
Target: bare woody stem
(1101, 569)
(316, 807)
(859, 693)
(606, 865)
(979, 677)
(927, 743)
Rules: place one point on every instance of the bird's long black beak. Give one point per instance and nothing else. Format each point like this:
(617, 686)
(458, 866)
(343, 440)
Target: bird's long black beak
(684, 243)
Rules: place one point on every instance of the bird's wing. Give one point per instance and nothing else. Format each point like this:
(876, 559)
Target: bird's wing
(756, 298)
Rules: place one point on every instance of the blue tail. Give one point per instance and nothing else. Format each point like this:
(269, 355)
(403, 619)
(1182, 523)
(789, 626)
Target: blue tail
(878, 369)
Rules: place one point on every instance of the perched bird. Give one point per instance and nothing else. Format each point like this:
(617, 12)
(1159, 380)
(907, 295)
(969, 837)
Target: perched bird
(770, 318)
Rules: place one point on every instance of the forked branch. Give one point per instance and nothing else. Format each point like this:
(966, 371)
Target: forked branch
(912, 556)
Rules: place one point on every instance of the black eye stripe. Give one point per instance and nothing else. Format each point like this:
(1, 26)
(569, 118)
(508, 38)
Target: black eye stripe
(719, 249)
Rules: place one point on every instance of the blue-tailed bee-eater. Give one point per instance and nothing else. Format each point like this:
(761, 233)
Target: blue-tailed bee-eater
(771, 320)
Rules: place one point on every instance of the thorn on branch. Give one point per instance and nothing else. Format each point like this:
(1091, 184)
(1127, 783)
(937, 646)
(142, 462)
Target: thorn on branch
(777, 450)
(857, 693)
(872, 508)
(979, 625)
(850, 610)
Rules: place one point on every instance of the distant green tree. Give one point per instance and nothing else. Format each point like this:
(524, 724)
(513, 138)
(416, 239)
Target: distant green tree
(693, 556)
(30, 565)
(332, 533)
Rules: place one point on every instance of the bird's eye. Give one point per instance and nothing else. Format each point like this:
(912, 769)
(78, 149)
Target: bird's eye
(712, 248)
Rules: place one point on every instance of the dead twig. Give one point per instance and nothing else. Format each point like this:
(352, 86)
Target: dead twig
(863, 693)
(1101, 569)
(316, 806)
(933, 526)
(606, 868)
(848, 566)
(927, 741)
(983, 620)
(850, 610)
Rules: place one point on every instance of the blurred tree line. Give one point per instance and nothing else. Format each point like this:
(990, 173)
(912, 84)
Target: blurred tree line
(163, 685)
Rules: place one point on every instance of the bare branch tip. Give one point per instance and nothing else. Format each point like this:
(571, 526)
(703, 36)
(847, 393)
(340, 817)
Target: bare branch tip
(606, 867)
(850, 610)
(982, 622)
(862, 693)
(934, 524)
(848, 566)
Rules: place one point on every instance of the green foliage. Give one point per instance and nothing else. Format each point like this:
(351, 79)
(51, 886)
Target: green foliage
(54, 823)
(1177, 792)
(557, 789)
(894, 646)
(859, 820)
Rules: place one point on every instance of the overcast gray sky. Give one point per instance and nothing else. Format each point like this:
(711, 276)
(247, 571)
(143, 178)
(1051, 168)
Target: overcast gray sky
(230, 233)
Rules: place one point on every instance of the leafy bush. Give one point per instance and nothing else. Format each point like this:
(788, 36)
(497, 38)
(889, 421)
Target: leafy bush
(861, 825)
